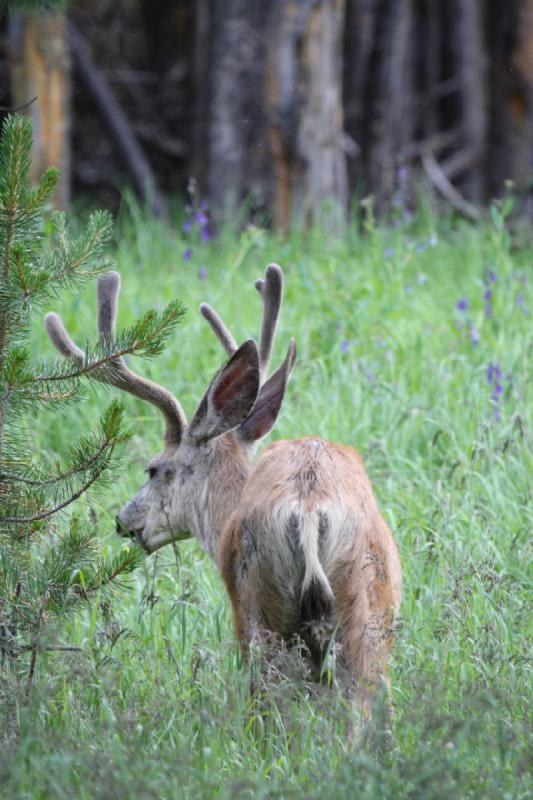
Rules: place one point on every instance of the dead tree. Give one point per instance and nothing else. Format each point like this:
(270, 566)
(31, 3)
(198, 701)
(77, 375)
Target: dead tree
(304, 101)
(40, 68)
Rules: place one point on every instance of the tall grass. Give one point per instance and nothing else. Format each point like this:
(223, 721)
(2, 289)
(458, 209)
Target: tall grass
(396, 331)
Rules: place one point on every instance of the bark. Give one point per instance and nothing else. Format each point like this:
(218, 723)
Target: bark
(471, 64)
(304, 100)
(359, 43)
(392, 112)
(40, 67)
(522, 104)
(235, 125)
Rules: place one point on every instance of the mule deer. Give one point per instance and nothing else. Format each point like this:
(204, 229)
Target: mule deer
(302, 547)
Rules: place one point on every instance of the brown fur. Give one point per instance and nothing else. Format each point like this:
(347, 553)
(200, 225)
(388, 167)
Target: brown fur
(264, 571)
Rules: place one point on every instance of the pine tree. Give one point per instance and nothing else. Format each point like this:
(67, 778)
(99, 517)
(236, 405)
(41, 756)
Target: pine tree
(50, 564)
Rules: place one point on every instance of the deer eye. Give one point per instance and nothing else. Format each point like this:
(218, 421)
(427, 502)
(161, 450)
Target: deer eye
(152, 472)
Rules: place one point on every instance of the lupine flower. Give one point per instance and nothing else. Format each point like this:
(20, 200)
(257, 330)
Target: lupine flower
(520, 302)
(202, 273)
(462, 304)
(494, 373)
(204, 234)
(187, 254)
(201, 218)
(474, 335)
(487, 297)
(345, 346)
(494, 378)
(187, 226)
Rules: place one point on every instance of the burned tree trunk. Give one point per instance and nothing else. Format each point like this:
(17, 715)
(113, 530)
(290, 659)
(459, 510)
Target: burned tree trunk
(304, 101)
(40, 67)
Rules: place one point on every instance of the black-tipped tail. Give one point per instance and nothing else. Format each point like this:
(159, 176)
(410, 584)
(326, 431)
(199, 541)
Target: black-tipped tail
(315, 609)
(316, 603)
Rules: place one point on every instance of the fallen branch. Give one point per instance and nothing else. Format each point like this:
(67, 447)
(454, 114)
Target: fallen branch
(443, 185)
(134, 158)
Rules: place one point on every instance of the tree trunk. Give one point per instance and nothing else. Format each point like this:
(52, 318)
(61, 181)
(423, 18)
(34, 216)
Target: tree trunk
(522, 105)
(304, 101)
(40, 67)
(392, 112)
(471, 63)
(235, 125)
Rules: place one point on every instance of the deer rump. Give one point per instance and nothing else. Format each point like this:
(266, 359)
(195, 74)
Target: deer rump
(293, 555)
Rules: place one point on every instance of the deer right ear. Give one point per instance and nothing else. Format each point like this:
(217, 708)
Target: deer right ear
(267, 406)
(230, 397)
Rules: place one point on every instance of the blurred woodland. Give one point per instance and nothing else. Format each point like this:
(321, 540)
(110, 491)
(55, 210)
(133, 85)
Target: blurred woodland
(292, 107)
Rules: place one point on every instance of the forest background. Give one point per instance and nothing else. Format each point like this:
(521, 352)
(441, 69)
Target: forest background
(282, 104)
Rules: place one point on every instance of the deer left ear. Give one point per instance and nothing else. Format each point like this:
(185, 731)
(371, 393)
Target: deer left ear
(230, 397)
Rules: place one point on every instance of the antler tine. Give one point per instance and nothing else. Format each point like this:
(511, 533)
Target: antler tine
(271, 290)
(107, 292)
(220, 330)
(115, 372)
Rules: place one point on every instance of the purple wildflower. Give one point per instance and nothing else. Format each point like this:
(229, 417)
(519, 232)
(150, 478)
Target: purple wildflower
(487, 297)
(494, 373)
(474, 335)
(462, 304)
(201, 218)
(520, 302)
(204, 234)
(402, 176)
(187, 254)
(345, 346)
(494, 378)
(490, 276)
(202, 273)
(187, 226)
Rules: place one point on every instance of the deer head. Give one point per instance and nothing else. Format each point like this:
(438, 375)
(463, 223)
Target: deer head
(195, 483)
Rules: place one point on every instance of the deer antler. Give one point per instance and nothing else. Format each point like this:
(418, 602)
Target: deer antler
(115, 372)
(271, 290)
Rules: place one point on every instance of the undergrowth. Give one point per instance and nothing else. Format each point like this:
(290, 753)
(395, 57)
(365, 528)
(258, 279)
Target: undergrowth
(414, 345)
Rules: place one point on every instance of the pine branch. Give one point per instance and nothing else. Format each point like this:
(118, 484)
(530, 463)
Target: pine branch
(88, 460)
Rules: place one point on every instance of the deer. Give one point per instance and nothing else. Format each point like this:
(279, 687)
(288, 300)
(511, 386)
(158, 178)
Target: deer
(301, 545)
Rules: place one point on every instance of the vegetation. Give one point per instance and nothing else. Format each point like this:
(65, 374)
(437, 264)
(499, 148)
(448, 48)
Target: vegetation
(48, 567)
(415, 345)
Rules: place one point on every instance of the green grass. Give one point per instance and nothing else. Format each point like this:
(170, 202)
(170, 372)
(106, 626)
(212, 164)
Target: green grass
(155, 705)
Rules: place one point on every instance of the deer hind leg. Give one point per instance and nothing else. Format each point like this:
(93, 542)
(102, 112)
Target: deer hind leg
(366, 629)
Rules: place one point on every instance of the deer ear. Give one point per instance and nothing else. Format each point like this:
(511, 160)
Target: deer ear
(266, 408)
(230, 396)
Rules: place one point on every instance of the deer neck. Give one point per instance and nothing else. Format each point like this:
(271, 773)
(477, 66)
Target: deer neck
(229, 471)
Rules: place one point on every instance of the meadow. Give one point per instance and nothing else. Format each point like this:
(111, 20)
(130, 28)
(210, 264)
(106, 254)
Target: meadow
(415, 345)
